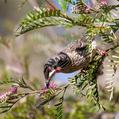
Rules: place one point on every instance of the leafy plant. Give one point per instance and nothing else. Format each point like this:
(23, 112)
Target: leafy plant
(97, 22)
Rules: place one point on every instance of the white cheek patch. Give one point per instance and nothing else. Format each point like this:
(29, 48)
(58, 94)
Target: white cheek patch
(51, 73)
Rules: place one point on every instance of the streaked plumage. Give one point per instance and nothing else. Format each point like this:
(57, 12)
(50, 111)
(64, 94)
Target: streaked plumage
(74, 57)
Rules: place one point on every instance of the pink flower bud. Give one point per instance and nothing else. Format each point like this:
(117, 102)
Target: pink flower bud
(103, 2)
(4, 96)
(13, 90)
(52, 85)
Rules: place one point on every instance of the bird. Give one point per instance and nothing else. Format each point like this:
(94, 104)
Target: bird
(74, 57)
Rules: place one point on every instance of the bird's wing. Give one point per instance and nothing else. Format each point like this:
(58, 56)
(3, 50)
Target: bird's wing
(78, 55)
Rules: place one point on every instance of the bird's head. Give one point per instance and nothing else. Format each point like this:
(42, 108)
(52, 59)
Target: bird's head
(55, 65)
(49, 72)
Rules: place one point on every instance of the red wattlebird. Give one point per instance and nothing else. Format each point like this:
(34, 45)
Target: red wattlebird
(74, 57)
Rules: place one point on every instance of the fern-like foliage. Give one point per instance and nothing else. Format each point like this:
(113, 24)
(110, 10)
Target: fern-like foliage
(59, 105)
(85, 81)
(42, 18)
(19, 82)
(59, 109)
(111, 69)
(9, 101)
(109, 77)
(98, 22)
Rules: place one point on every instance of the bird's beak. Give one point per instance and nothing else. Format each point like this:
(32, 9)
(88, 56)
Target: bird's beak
(51, 74)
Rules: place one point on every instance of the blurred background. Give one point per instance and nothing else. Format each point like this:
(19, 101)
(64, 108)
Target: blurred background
(25, 56)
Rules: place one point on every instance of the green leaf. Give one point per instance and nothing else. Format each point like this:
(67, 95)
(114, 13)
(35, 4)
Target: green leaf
(59, 111)
(43, 18)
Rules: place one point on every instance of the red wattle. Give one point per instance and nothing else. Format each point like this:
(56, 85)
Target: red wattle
(58, 69)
